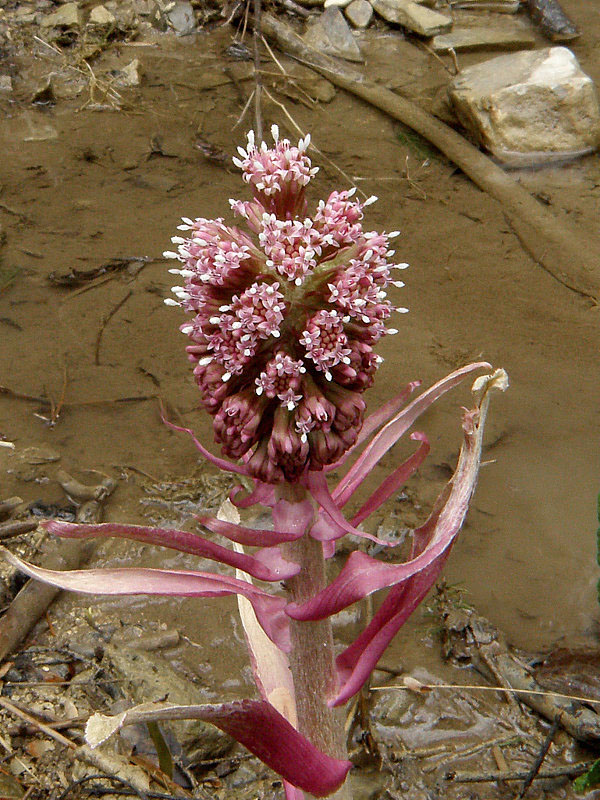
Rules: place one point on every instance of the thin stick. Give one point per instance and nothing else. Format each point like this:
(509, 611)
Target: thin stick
(17, 527)
(568, 770)
(534, 771)
(36, 722)
(256, 37)
(245, 109)
(429, 686)
(313, 146)
(105, 320)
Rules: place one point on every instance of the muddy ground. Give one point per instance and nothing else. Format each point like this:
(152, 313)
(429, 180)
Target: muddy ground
(94, 173)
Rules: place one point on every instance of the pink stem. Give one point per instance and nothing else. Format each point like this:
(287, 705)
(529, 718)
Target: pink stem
(312, 658)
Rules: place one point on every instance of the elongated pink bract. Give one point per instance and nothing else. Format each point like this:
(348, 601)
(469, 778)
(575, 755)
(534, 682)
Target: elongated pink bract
(266, 565)
(256, 725)
(176, 583)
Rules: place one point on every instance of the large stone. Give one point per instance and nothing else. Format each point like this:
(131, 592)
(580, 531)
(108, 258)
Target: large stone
(331, 34)
(67, 16)
(359, 13)
(529, 108)
(465, 39)
(414, 17)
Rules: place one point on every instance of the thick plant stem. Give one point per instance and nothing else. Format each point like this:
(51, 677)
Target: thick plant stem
(312, 658)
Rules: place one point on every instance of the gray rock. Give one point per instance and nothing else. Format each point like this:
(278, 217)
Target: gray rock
(147, 677)
(101, 17)
(483, 39)
(5, 83)
(67, 16)
(331, 34)
(529, 108)
(416, 18)
(130, 74)
(359, 13)
(181, 19)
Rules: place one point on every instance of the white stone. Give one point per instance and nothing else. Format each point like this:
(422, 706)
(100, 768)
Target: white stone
(478, 38)
(413, 16)
(530, 107)
(338, 3)
(130, 74)
(359, 13)
(331, 34)
(101, 16)
(67, 16)
(5, 83)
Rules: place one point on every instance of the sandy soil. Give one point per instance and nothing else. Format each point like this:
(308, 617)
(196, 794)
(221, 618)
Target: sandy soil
(111, 183)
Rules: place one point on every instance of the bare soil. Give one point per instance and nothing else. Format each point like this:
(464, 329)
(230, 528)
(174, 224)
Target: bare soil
(96, 177)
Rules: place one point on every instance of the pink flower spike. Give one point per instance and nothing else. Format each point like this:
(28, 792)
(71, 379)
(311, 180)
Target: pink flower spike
(253, 723)
(363, 575)
(264, 565)
(389, 435)
(173, 583)
(394, 481)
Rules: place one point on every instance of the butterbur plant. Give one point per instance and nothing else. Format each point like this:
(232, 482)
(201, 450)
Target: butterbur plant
(285, 314)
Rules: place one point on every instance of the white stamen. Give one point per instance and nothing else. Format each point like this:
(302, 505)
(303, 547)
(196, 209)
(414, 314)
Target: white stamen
(393, 234)
(170, 254)
(402, 310)
(225, 377)
(204, 361)
(370, 200)
(392, 331)
(170, 302)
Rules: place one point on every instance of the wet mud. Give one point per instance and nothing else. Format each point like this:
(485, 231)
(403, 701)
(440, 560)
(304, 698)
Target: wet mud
(92, 187)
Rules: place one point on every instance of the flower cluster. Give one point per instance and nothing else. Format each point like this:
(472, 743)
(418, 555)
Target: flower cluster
(285, 320)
